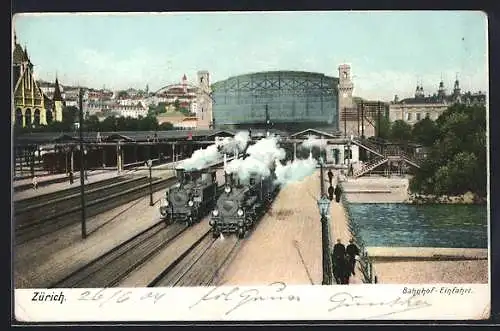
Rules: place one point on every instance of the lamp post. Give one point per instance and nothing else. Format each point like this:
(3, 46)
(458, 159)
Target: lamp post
(86, 164)
(323, 206)
(149, 164)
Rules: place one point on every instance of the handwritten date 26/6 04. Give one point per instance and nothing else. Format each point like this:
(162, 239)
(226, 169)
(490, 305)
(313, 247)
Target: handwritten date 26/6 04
(104, 296)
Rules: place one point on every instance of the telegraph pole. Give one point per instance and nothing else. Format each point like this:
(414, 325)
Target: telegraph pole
(345, 122)
(82, 164)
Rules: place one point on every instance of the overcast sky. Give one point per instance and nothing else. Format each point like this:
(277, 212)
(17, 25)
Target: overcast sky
(388, 51)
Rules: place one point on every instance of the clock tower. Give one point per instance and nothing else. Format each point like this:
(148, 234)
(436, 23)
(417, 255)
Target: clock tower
(345, 89)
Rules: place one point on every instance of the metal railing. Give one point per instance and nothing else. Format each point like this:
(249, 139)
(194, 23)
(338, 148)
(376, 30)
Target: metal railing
(365, 262)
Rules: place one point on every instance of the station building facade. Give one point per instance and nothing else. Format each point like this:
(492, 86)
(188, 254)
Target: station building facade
(286, 100)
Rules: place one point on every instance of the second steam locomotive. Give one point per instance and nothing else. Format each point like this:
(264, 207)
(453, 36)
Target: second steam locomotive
(241, 204)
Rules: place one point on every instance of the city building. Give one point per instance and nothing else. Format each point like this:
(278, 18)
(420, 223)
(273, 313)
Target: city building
(412, 110)
(31, 106)
(183, 93)
(285, 100)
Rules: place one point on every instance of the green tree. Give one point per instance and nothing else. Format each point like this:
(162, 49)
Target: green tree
(425, 132)
(456, 161)
(177, 105)
(400, 131)
(165, 126)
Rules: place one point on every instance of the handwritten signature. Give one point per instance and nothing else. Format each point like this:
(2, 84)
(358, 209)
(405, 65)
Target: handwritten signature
(400, 304)
(246, 296)
(106, 295)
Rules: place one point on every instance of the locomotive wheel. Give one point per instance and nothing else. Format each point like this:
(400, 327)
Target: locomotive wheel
(167, 220)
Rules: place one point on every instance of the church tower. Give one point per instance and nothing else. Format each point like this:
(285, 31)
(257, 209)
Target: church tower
(58, 103)
(456, 90)
(204, 115)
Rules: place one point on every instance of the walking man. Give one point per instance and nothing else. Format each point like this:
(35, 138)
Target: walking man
(352, 250)
(330, 192)
(338, 192)
(330, 176)
(338, 257)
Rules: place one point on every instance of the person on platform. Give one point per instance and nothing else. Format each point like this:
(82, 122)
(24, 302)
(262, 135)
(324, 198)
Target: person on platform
(351, 170)
(330, 192)
(338, 257)
(35, 183)
(330, 176)
(346, 273)
(338, 192)
(352, 250)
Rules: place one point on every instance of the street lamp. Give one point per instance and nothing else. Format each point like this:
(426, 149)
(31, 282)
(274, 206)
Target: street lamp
(149, 164)
(324, 207)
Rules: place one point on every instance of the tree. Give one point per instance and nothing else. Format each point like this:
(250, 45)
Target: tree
(456, 161)
(400, 131)
(177, 104)
(425, 132)
(165, 126)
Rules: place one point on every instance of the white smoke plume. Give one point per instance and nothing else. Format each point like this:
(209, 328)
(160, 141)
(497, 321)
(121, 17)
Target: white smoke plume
(238, 142)
(294, 171)
(201, 158)
(213, 153)
(260, 159)
(312, 141)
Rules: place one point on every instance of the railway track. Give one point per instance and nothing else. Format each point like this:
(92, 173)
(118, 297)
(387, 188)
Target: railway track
(100, 202)
(201, 264)
(23, 205)
(108, 269)
(38, 212)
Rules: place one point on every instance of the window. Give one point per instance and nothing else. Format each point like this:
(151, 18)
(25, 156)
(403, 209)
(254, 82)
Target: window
(408, 116)
(418, 116)
(428, 115)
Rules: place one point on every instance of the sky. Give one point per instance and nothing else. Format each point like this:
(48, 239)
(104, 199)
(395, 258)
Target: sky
(389, 52)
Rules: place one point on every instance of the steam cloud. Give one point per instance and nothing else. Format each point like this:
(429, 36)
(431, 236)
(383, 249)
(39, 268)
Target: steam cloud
(260, 159)
(313, 142)
(295, 171)
(204, 157)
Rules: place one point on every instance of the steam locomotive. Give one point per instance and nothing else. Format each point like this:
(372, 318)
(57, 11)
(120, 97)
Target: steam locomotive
(241, 204)
(192, 198)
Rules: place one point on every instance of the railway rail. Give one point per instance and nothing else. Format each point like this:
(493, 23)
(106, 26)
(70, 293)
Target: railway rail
(96, 203)
(26, 204)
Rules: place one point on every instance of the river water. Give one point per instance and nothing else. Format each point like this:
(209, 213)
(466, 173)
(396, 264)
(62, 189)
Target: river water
(397, 224)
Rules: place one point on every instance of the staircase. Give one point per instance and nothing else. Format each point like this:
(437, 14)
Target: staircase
(369, 146)
(370, 166)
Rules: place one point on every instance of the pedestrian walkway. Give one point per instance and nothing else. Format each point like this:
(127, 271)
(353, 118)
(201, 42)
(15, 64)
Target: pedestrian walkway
(340, 230)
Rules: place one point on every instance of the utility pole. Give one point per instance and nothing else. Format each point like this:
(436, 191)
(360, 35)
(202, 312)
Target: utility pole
(378, 119)
(345, 122)
(82, 164)
(362, 120)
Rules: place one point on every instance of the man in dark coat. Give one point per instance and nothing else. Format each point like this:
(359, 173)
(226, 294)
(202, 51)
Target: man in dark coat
(330, 192)
(338, 192)
(352, 250)
(330, 176)
(338, 257)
